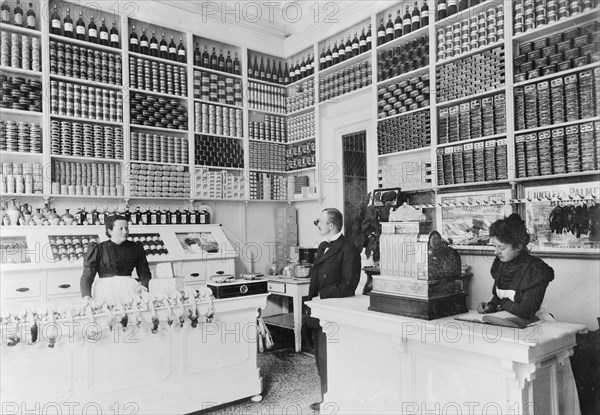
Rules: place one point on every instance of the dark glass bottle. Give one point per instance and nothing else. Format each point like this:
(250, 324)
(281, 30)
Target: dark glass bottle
(144, 43)
(328, 57)
(102, 217)
(335, 54)
(103, 35)
(452, 7)
(463, 4)
(389, 29)
(322, 60)
(286, 75)
(237, 68)
(165, 217)
(342, 51)
(181, 51)
(80, 27)
(407, 22)
(127, 214)
(424, 14)
(205, 58)
(442, 10)
(194, 216)
(279, 74)
(349, 53)
(415, 18)
(154, 49)
(261, 70)
(214, 60)
(255, 71)
(197, 56)
(92, 31)
(310, 62)
(268, 75)
(362, 42)
(297, 70)
(355, 45)
(134, 44)
(221, 61)
(147, 217)
(369, 39)
(175, 216)
(31, 20)
(137, 216)
(229, 63)
(54, 19)
(68, 25)
(18, 14)
(81, 216)
(172, 50)
(114, 35)
(380, 33)
(163, 47)
(185, 218)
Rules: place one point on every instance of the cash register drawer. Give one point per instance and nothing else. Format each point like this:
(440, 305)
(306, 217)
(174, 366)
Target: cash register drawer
(238, 289)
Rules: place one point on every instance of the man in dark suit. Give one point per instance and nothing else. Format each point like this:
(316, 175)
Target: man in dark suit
(335, 273)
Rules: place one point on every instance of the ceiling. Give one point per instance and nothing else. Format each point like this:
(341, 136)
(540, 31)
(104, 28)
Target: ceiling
(280, 19)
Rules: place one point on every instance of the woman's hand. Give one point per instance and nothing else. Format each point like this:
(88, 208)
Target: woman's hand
(484, 308)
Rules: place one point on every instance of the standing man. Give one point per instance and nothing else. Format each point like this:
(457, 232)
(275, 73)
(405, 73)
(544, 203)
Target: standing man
(335, 273)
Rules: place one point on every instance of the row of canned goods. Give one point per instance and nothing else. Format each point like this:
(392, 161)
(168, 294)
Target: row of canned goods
(86, 174)
(215, 119)
(157, 77)
(272, 129)
(346, 80)
(158, 148)
(300, 127)
(21, 178)
(304, 96)
(85, 63)
(81, 101)
(217, 88)
(267, 98)
(20, 51)
(472, 33)
(530, 14)
(20, 136)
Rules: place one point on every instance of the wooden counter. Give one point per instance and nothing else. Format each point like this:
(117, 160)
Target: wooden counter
(383, 363)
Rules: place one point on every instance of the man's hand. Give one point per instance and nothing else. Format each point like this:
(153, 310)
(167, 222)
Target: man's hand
(484, 308)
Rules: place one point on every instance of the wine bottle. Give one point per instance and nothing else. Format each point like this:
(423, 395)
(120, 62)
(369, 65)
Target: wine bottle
(103, 35)
(355, 45)
(452, 7)
(144, 43)
(349, 53)
(292, 72)
(462, 5)
(380, 33)
(261, 71)
(255, 71)
(54, 20)
(335, 55)
(328, 57)
(133, 41)
(197, 56)
(406, 22)
(415, 18)
(114, 35)
(92, 31)
(362, 42)
(221, 61)
(237, 68)
(424, 14)
(205, 58)
(389, 29)
(147, 217)
(163, 47)
(268, 75)
(181, 51)
(286, 75)
(214, 60)
(322, 59)
(342, 51)
(172, 50)
(309, 62)
(18, 14)
(297, 70)
(5, 15)
(442, 10)
(31, 20)
(154, 50)
(229, 63)
(279, 74)
(251, 66)
(80, 27)
(137, 216)
(68, 25)
(369, 38)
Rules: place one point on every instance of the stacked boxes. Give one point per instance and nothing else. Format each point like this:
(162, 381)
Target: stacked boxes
(268, 186)
(222, 184)
(150, 180)
(300, 127)
(286, 233)
(299, 156)
(404, 132)
(267, 156)
(272, 129)
(345, 80)
(219, 152)
(473, 162)
(403, 96)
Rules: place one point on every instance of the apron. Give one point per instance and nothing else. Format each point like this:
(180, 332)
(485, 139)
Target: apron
(117, 289)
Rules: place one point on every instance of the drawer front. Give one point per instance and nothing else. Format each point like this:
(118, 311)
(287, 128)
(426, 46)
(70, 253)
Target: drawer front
(29, 288)
(215, 266)
(193, 272)
(276, 287)
(61, 284)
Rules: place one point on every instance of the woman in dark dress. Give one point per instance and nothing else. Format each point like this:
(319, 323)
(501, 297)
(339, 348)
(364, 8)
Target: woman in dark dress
(114, 260)
(520, 279)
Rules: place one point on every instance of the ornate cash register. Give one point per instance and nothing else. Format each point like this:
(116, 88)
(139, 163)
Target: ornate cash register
(420, 275)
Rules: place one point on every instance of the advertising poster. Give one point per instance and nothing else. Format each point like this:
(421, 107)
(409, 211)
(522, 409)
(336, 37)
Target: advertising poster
(564, 217)
(466, 218)
(198, 242)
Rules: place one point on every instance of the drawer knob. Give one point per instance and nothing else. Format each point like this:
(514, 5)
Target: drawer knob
(23, 289)
(64, 286)
(243, 289)
(195, 275)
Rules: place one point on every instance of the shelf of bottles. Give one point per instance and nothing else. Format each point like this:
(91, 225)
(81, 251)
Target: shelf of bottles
(20, 50)
(158, 180)
(272, 70)
(152, 49)
(226, 61)
(405, 28)
(301, 66)
(220, 184)
(348, 52)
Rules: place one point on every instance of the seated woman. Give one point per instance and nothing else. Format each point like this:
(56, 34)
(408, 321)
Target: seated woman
(520, 279)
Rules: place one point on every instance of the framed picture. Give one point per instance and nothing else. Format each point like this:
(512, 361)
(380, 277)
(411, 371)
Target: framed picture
(386, 196)
(198, 242)
(564, 217)
(463, 219)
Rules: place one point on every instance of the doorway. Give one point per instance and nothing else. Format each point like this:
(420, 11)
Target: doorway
(354, 150)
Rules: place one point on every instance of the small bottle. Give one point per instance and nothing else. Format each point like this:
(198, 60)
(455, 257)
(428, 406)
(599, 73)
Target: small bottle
(18, 14)
(92, 31)
(68, 25)
(181, 51)
(144, 43)
(81, 215)
(104, 215)
(155, 217)
(349, 53)
(153, 45)
(237, 69)
(147, 217)
(31, 19)
(193, 219)
(297, 70)
(261, 70)
(286, 75)
(175, 217)
(184, 218)
(134, 44)
(114, 35)
(255, 71)
(203, 220)
(172, 50)
(164, 48)
(268, 72)
(103, 34)
(136, 218)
